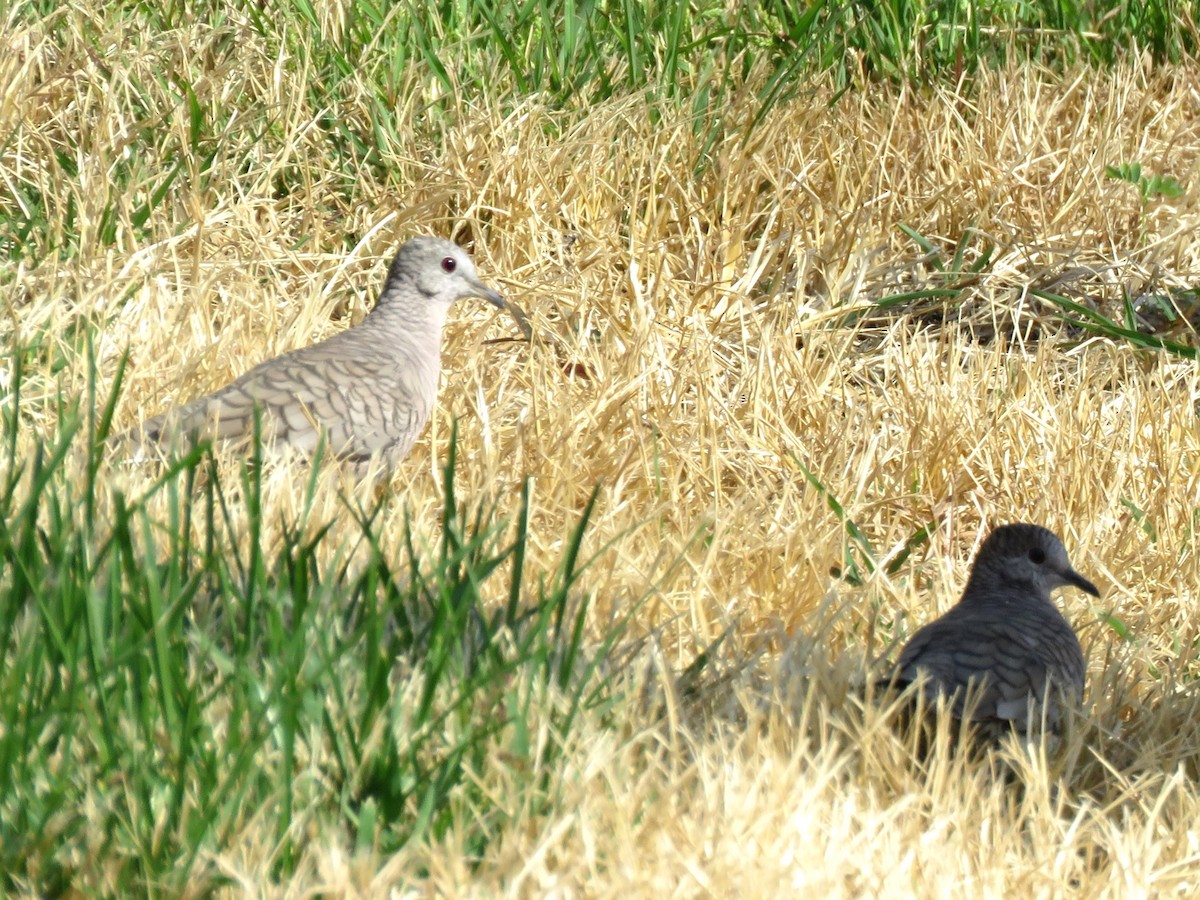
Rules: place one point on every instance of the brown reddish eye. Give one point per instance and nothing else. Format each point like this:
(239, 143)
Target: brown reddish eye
(449, 264)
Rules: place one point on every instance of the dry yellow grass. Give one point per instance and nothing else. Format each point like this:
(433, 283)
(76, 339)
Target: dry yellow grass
(693, 365)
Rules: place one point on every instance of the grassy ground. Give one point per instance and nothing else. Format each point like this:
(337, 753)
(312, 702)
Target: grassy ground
(797, 351)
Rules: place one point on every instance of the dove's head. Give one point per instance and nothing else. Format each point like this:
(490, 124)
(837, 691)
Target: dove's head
(439, 271)
(1023, 558)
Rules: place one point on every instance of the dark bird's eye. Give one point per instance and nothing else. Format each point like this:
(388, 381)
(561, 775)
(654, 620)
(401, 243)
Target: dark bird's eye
(1037, 556)
(449, 264)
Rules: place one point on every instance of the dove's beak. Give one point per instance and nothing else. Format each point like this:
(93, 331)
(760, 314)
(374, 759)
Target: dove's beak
(1072, 577)
(494, 297)
(490, 294)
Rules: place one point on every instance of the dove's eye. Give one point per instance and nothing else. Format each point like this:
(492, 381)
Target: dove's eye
(1037, 556)
(449, 264)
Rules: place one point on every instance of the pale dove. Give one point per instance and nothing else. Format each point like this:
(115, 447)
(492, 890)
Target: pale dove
(370, 388)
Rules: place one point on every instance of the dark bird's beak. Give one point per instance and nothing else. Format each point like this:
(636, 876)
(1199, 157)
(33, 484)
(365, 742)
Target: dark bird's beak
(1072, 577)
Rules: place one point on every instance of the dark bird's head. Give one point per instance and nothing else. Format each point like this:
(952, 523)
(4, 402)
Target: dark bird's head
(1023, 557)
